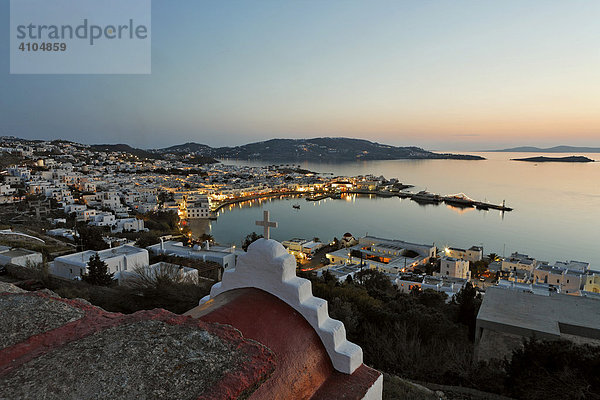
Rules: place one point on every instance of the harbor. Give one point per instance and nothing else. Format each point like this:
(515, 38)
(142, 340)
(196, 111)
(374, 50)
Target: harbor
(423, 197)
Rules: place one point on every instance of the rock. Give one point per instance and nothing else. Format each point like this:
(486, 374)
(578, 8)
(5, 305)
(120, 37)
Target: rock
(10, 288)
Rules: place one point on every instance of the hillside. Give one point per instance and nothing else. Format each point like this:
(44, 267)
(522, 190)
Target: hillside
(125, 148)
(317, 149)
(186, 148)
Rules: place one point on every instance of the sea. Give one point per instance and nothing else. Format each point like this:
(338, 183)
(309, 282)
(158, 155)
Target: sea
(556, 207)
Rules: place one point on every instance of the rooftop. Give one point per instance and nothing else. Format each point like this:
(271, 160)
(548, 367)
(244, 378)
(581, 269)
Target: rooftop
(546, 316)
(16, 252)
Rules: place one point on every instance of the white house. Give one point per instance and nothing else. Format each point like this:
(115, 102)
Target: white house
(224, 256)
(103, 219)
(302, 247)
(6, 190)
(129, 225)
(85, 214)
(455, 268)
(18, 256)
(472, 254)
(569, 281)
(386, 255)
(519, 263)
(122, 258)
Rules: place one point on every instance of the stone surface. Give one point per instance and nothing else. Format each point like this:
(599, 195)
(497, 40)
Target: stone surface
(10, 288)
(24, 316)
(88, 353)
(146, 359)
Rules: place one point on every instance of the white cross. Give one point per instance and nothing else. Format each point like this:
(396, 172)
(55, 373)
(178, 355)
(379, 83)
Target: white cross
(267, 224)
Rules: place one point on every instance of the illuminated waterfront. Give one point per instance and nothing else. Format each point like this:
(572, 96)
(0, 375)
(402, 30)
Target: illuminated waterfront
(556, 208)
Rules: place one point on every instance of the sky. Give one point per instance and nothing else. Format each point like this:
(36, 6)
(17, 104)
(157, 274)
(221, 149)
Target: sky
(441, 75)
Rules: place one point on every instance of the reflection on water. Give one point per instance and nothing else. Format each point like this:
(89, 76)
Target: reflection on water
(556, 207)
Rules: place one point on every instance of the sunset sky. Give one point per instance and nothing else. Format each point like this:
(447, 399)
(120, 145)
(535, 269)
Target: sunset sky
(438, 74)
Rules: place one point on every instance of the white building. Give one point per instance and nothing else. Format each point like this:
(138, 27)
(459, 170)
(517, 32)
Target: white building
(455, 268)
(122, 258)
(197, 206)
(103, 219)
(85, 214)
(6, 190)
(18, 256)
(301, 247)
(569, 281)
(224, 256)
(385, 255)
(519, 263)
(405, 282)
(128, 225)
(472, 254)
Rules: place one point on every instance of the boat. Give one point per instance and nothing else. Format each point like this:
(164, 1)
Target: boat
(460, 200)
(426, 197)
(296, 206)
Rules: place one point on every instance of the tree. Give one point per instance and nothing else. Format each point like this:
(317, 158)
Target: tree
(468, 301)
(492, 257)
(336, 243)
(251, 238)
(477, 268)
(378, 285)
(147, 239)
(98, 272)
(91, 238)
(205, 236)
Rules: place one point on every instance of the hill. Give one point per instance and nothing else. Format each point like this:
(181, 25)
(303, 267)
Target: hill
(316, 149)
(187, 148)
(555, 149)
(125, 148)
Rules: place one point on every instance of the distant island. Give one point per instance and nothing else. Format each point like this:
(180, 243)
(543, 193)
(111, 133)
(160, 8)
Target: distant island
(326, 149)
(571, 159)
(317, 149)
(555, 149)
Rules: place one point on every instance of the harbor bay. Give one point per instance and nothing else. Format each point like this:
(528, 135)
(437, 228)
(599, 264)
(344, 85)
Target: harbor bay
(541, 223)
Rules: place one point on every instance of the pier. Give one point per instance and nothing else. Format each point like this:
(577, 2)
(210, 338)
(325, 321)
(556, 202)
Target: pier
(460, 200)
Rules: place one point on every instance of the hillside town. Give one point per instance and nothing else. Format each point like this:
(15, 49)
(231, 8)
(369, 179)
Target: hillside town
(117, 190)
(67, 208)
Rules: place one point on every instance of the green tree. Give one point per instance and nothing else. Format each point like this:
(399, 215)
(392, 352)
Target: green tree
(147, 239)
(557, 363)
(91, 238)
(251, 238)
(98, 272)
(477, 268)
(205, 236)
(378, 285)
(468, 301)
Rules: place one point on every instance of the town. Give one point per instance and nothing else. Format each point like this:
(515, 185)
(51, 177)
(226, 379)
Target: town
(68, 210)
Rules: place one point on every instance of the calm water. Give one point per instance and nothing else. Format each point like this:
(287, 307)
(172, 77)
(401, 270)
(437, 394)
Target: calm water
(556, 207)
